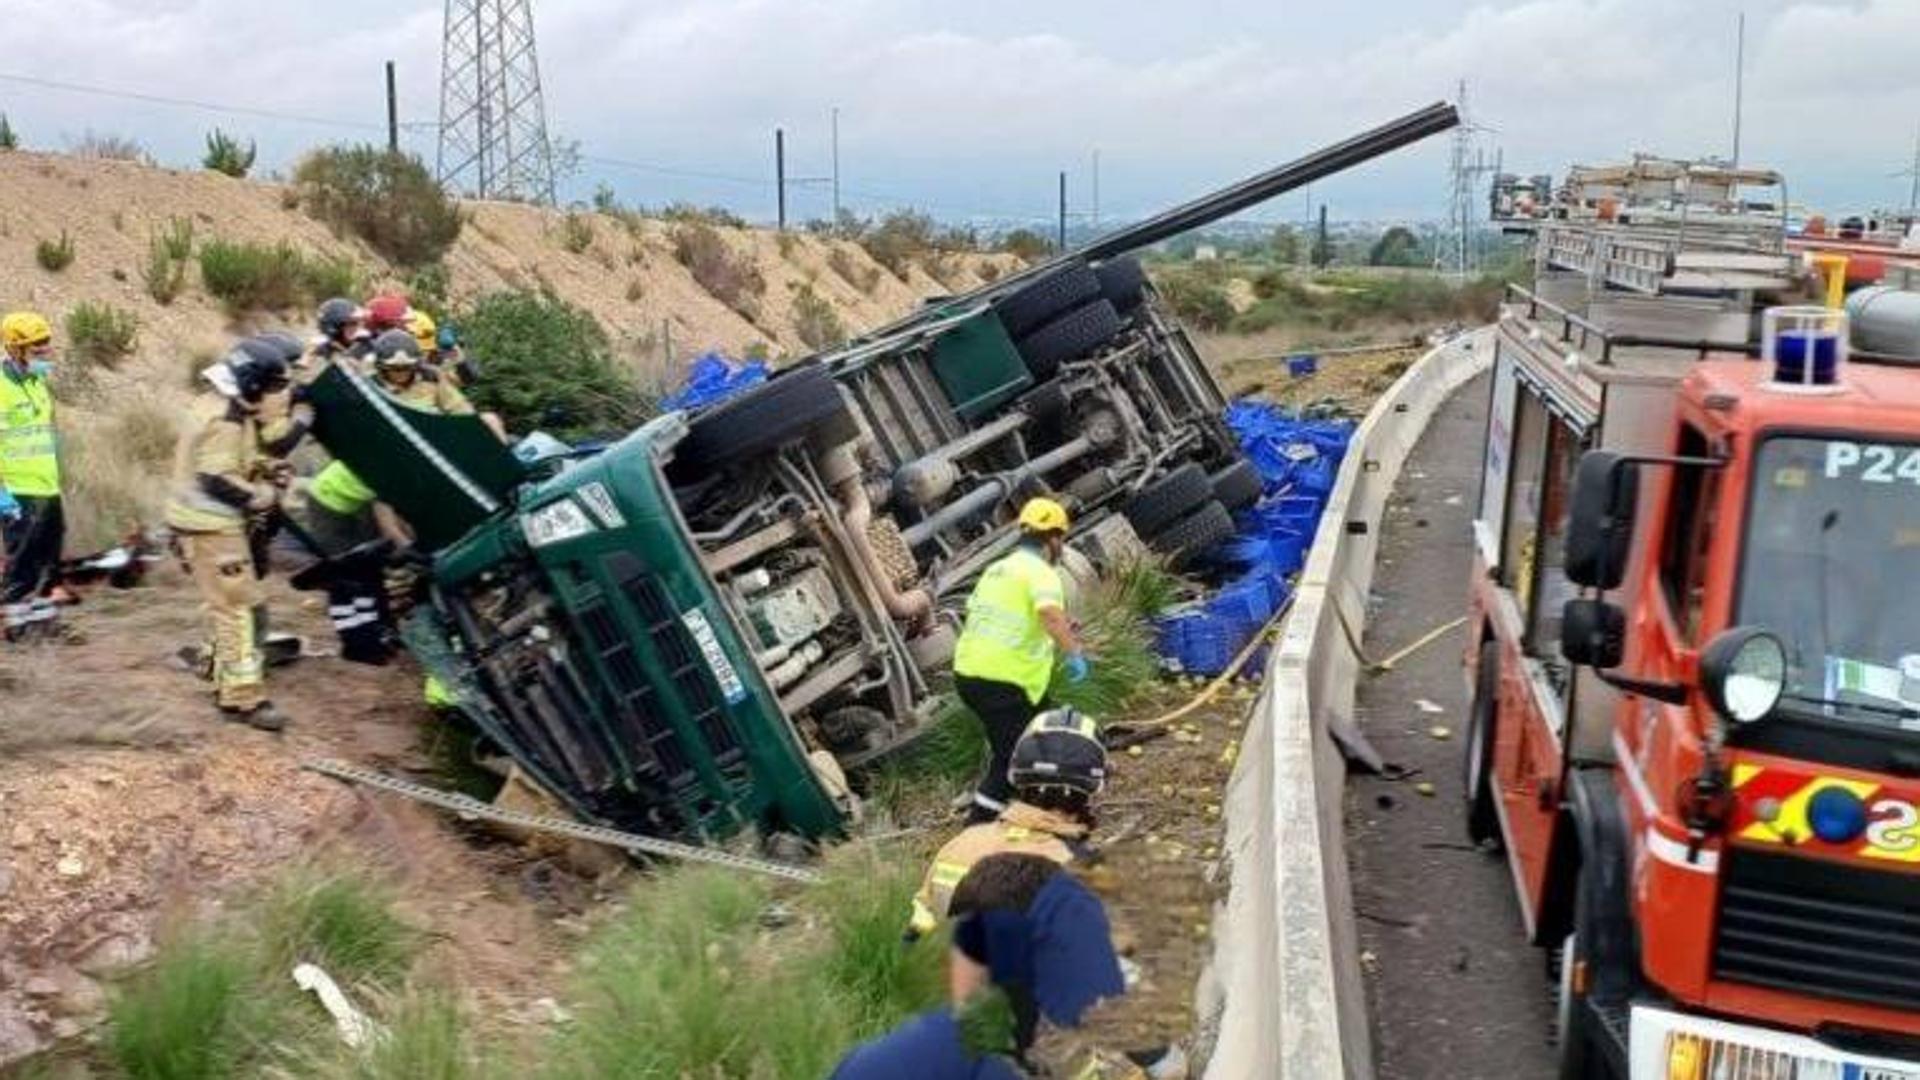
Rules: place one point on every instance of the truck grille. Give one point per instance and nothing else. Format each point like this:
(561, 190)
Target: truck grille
(1815, 927)
(674, 645)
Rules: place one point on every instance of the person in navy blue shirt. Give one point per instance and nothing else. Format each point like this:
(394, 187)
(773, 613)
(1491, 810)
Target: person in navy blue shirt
(1024, 929)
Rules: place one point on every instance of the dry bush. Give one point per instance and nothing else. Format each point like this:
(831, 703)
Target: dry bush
(100, 335)
(864, 278)
(815, 321)
(576, 233)
(729, 278)
(103, 146)
(116, 455)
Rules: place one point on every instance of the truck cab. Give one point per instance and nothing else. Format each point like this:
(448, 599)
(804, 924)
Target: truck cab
(1692, 730)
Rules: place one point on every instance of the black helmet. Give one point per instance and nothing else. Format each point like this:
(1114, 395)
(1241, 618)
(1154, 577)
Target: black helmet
(336, 313)
(396, 348)
(274, 345)
(257, 368)
(1061, 748)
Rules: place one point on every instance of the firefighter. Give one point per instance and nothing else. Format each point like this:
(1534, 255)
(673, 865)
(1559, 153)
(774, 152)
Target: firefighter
(343, 332)
(32, 526)
(388, 311)
(441, 348)
(1003, 663)
(398, 369)
(222, 476)
(1059, 766)
(1027, 938)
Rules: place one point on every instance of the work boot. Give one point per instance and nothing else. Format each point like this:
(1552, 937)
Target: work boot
(196, 660)
(262, 716)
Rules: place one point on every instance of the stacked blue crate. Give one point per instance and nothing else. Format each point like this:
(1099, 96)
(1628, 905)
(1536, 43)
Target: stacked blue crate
(1298, 458)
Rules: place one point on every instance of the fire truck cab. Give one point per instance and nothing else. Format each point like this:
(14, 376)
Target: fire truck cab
(1694, 661)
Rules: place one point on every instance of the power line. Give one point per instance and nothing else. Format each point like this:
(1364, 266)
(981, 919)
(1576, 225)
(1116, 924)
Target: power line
(205, 106)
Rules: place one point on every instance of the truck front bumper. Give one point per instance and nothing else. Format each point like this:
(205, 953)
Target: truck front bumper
(1666, 1045)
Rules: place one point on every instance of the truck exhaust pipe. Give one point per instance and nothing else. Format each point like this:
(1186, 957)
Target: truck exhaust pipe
(840, 471)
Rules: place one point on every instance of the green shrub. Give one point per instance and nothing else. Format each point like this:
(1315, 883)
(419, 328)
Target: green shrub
(1027, 244)
(815, 320)
(253, 277)
(689, 214)
(225, 155)
(427, 287)
(731, 279)
(177, 238)
(9, 139)
(1197, 301)
(54, 255)
(548, 365)
(387, 199)
(576, 233)
(898, 239)
(100, 335)
(329, 276)
(426, 1039)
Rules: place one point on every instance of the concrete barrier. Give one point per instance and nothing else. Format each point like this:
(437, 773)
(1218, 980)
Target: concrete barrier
(1286, 969)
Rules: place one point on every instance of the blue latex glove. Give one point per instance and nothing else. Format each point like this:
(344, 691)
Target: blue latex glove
(1077, 667)
(9, 506)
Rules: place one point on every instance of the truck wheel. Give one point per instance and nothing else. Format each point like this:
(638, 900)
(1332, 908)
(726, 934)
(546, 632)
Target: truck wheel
(1573, 1021)
(1044, 300)
(762, 419)
(1237, 486)
(1483, 817)
(1069, 337)
(1195, 534)
(1121, 282)
(1166, 499)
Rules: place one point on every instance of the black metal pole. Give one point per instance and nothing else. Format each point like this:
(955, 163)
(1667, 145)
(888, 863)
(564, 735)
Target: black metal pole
(393, 113)
(1063, 211)
(780, 172)
(1322, 251)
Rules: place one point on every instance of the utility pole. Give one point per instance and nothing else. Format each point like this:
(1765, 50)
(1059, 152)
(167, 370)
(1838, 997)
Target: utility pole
(393, 114)
(1913, 194)
(1739, 82)
(1322, 250)
(1063, 211)
(1096, 188)
(780, 173)
(836, 166)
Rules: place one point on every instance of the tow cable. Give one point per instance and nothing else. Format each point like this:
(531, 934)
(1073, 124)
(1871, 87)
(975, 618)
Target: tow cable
(468, 806)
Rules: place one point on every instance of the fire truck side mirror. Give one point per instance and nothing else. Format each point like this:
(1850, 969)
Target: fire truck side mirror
(1606, 490)
(1593, 633)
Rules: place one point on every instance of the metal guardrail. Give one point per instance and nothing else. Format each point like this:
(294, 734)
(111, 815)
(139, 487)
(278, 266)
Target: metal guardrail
(1581, 335)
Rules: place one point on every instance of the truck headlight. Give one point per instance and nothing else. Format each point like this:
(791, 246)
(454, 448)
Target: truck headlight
(1744, 672)
(557, 521)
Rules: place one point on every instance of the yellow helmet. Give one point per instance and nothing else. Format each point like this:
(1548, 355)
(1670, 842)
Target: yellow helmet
(24, 330)
(1043, 515)
(424, 330)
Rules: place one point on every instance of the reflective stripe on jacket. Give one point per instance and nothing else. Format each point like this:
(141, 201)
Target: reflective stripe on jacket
(220, 440)
(1003, 639)
(339, 489)
(29, 450)
(1022, 829)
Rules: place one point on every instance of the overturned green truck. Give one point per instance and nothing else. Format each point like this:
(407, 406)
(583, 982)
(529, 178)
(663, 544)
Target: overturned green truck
(706, 625)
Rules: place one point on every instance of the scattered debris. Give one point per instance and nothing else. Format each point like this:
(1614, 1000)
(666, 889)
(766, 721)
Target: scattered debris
(356, 1030)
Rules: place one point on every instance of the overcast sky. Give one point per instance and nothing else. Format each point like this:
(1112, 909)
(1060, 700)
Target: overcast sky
(971, 108)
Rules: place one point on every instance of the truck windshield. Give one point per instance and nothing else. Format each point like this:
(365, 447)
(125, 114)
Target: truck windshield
(1833, 550)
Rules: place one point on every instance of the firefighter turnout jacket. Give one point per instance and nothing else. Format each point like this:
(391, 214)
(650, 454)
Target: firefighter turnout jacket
(1022, 829)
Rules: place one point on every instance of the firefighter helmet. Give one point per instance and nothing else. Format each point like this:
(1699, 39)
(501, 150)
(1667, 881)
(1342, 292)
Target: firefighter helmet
(1060, 748)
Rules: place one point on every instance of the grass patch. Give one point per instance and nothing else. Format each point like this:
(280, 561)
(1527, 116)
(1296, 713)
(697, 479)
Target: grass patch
(187, 1016)
(1119, 643)
(344, 924)
(163, 275)
(100, 335)
(54, 255)
(262, 277)
(426, 1039)
(691, 982)
(576, 233)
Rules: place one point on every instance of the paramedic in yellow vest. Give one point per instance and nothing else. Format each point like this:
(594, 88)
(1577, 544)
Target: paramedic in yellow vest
(338, 516)
(1016, 619)
(1059, 767)
(222, 476)
(32, 527)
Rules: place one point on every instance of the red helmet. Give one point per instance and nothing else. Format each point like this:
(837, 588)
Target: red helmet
(387, 312)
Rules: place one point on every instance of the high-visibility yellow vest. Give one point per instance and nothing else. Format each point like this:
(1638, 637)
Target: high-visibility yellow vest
(340, 489)
(29, 452)
(1003, 639)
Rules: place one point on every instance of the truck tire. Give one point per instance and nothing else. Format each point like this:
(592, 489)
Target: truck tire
(1574, 1052)
(1069, 337)
(1483, 817)
(762, 419)
(1237, 486)
(1194, 535)
(1042, 301)
(1121, 282)
(1164, 501)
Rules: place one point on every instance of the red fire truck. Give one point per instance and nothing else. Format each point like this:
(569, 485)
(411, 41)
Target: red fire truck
(1695, 660)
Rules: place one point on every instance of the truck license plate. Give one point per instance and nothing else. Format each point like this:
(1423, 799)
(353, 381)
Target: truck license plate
(723, 670)
(1875, 1072)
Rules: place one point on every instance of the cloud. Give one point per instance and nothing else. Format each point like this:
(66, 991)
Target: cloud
(974, 110)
